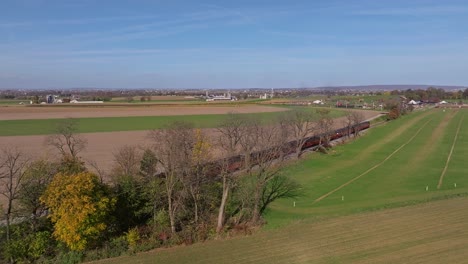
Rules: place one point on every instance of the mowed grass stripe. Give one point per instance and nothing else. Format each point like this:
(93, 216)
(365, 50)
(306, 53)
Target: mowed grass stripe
(441, 179)
(457, 172)
(389, 236)
(354, 158)
(325, 172)
(406, 175)
(401, 180)
(427, 146)
(373, 167)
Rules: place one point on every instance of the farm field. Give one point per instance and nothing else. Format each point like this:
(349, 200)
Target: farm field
(121, 121)
(102, 145)
(78, 111)
(429, 233)
(22, 127)
(340, 218)
(392, 165)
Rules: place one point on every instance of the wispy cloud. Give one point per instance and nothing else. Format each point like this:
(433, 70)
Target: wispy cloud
(414, 11)
(152, 28)
(79, 21)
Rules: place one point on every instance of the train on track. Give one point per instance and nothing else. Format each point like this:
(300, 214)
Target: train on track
(236, 163)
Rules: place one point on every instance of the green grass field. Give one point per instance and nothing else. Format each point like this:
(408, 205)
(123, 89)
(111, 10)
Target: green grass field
(430, 233)
(364, 174)
(335, 221)
(13, 102)
(110, 124)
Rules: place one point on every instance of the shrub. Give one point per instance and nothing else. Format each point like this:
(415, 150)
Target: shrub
(132, 237)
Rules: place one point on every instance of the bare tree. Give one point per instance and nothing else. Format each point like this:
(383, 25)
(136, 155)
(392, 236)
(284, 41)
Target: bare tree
(196, 179)
(299, 125)
(357, 118)
(13, 165)
(279, 187)
(266, 162)
(353, 118)
(324, 127)
(127, 161)
(249, 140)
(66, 140)
(173, 148)
(99, 171)
(231, 131)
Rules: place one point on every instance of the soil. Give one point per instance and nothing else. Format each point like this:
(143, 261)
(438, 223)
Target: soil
(12, 113)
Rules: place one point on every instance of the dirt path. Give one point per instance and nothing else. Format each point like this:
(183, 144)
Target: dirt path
(441, 179)
(374, 167)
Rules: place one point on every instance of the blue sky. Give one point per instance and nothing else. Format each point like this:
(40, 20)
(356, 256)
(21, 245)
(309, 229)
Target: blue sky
(231, 44)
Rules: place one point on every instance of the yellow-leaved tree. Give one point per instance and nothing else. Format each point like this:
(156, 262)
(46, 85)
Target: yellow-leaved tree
(78, 206)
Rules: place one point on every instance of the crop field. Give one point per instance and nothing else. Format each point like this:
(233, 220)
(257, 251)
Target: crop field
(13, 102)
(105, 135)
(126, 110)
(413, 167)
(22, 126)
(429, 233)
(37, 121)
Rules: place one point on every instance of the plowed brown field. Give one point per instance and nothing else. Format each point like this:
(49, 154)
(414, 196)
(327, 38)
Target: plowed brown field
(13, 113)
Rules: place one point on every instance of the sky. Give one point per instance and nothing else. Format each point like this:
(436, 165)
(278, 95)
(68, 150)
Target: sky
(231, 44)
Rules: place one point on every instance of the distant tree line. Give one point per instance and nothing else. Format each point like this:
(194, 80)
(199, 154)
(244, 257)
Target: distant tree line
(432, 94)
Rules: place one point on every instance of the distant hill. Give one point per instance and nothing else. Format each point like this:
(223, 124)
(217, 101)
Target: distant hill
(388, 87)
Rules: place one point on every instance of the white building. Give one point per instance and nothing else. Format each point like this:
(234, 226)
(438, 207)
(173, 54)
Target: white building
(224, 97)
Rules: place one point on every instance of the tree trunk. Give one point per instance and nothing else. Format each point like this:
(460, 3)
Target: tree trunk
(7, 216)
(195, 203)
(196, 211)
(7, 227)
(256, 209)
(222, 206)
(171, 212)
(298, 151)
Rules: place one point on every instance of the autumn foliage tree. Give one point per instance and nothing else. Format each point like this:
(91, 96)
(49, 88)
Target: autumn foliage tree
(79, 205)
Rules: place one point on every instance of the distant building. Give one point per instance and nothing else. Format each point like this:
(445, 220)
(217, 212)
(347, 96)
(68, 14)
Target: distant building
(224, 97)
(50, 99)
(85, 102)
(266, 96)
